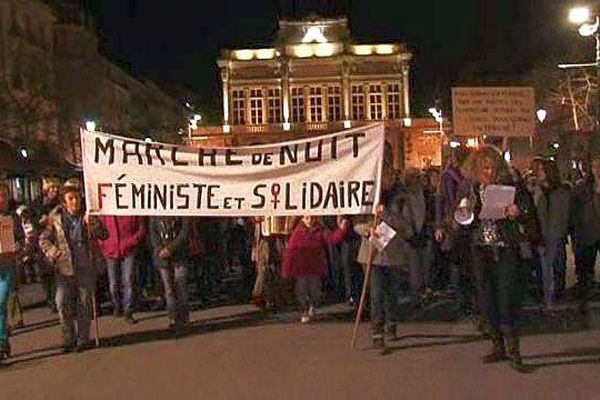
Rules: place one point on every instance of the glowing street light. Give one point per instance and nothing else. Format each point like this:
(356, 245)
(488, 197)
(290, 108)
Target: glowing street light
(90, 125)
(541, 115)
(579, 15)
(24, 153)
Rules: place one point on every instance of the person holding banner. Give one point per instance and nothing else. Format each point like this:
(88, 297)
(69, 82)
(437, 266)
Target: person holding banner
(66, 242)
(386, 266)
(306, 260)
(169, 236)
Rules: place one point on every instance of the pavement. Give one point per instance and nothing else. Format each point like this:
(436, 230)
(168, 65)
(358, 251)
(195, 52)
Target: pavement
(235, 352)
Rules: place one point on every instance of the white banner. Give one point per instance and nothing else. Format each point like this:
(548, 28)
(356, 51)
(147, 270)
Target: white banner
(332, 174)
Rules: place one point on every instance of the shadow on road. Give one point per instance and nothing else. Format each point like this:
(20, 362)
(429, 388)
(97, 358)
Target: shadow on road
(48, 323)
(585, 355)
(30, 357)
(439, 340)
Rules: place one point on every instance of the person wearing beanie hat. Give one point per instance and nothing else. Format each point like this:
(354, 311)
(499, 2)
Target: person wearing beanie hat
(66, 242)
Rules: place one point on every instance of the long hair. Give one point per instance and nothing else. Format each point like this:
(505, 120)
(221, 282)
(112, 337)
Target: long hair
(473, 165)
(552, 173)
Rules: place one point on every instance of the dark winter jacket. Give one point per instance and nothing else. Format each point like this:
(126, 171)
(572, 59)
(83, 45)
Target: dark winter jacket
(585, 212)
(171, 233)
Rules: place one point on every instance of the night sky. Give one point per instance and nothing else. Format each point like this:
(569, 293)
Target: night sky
(176, 42)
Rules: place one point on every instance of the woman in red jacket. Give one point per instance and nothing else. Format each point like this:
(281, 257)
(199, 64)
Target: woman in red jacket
(125, 234)
(306, 260)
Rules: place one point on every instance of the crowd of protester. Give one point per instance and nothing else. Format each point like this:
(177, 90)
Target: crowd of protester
(441, 248)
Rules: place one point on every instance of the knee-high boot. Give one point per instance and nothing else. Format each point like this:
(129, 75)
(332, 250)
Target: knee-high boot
(498, 352)
(514, 352)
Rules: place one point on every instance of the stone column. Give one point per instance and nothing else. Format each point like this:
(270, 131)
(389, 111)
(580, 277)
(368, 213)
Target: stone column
(405, 90)
(225, 88)
(346, 89)
(285, 91)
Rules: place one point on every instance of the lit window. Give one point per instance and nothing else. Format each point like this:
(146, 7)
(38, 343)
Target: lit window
(315, 102)
(393, 101)
(298, 113)
(334, 103)
(358, 102)
(239, 107)
(274, 106)
(375, 102)
(256, 107)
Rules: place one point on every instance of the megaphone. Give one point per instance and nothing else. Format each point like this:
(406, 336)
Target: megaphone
(464, 214)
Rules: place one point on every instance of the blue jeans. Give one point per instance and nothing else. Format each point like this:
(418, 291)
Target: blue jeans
(174, 281)
(385, 288)
(7, 284)
(126, 266)
(553, 268)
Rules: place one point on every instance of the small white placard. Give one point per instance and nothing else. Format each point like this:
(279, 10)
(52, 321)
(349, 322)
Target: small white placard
(496, 198)
(384, 234)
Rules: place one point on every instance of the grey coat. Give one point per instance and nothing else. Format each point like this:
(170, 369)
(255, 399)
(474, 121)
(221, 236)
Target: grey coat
(585, 213)
(553, 210)
(395, 253)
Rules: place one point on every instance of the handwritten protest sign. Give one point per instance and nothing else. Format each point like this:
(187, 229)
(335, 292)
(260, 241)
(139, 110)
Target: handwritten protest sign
(493, 111)
(337, 173)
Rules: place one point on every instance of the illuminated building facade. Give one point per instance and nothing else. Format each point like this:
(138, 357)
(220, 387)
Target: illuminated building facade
(314, 79)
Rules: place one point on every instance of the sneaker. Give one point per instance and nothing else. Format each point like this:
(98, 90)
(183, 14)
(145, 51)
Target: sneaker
(305, 319)
(311, 312)
(351, 301)
(129, 319)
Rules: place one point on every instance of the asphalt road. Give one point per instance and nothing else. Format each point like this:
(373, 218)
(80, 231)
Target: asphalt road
(236, 353)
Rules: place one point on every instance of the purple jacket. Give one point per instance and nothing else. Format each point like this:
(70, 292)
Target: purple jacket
(451, 183)
(124, 235)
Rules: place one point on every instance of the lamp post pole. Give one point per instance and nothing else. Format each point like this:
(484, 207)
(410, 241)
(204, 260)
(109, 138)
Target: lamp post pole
(597, 38)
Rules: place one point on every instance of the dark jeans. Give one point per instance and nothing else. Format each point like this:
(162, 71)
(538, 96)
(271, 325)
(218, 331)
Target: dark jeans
(462, 270)
(385, 288)
(585, 260)
(353, 273)
(499, 283)
(308, 291)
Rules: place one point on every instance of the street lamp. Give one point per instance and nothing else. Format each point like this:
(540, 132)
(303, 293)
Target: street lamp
(437, 115)
(579, 15)
(90, 125)
(193, 125)
(589, 22)
(541, 115)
